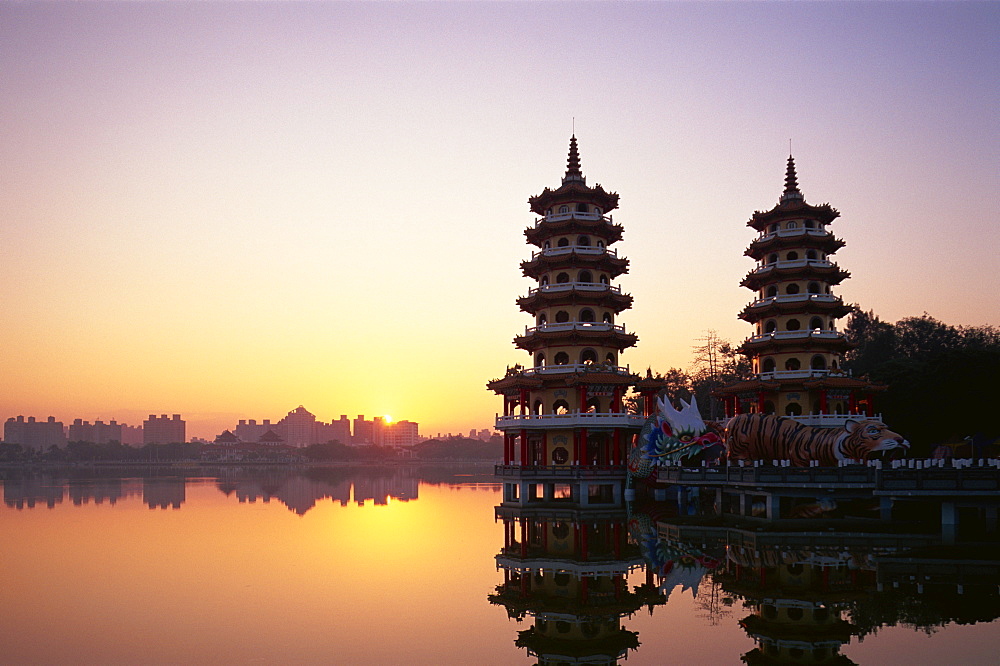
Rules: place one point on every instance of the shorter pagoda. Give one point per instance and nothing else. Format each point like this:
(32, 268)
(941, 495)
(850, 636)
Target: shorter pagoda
(796, 349)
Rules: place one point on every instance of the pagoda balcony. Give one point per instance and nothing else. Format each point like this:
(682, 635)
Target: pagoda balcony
(794, 298)
(609, 567)
(798, 263)
(792, 233)
(578, 249)
(570, 420)
(806, 373)
(597, 327)
(575, 367)
(574, 215)
(596, 287)
(814, 334)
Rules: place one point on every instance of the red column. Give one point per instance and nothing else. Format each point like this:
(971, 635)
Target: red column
(583, 398)
(853, 403)
(616, 400)
(617, 439)
(522, 398)
(585, 450)
(648, 405)
(524, 447)
(822, 401)
(760, 402)
(870, 405)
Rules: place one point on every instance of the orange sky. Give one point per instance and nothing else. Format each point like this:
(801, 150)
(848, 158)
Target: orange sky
(228, 210)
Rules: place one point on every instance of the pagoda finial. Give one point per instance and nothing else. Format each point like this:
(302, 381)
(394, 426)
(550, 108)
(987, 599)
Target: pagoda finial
(792, 192)
(573, 173)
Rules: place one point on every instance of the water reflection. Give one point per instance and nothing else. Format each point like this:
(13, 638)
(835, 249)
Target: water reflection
(298, 488)
(804, 590)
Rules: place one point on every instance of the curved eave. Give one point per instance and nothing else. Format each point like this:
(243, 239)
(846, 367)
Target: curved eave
(748, 386)
(573, 192)
(609, 647)
(540, 339)
(514, 381)
(832, 275)
(760, 247)
(835, 309)
(793, 209)
(613, 301)
(609, 231)
(784, 345)
(614, 266)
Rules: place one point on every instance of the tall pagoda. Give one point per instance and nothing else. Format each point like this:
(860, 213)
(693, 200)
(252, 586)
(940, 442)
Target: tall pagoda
(796, 349)
(566, 429)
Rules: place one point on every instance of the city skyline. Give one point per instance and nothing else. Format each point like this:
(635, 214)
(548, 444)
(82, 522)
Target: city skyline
(207, 208)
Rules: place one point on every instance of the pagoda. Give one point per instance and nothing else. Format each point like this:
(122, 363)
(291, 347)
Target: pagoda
(796, 349)
(565, 426)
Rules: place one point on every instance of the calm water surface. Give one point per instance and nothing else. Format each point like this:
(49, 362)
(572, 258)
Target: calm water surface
(399, 566)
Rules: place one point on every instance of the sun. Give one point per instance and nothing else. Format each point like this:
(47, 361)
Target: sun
(387, 418)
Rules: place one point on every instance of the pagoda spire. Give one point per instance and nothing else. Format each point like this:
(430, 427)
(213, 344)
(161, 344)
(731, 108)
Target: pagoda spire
(791, 184)
(573, 173)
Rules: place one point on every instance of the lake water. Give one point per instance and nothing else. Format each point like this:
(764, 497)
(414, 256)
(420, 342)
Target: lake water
(400, 566)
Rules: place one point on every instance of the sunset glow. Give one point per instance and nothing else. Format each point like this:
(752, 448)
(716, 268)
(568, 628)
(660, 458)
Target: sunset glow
(225, 210)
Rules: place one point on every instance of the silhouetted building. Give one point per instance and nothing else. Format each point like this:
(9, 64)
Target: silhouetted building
(97, 432)
(163, 429)
(32, 434)
(363, 431)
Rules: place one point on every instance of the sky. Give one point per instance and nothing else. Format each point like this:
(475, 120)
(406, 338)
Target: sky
(226, 210)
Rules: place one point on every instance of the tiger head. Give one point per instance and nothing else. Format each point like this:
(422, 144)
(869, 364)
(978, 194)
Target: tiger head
(868, 439)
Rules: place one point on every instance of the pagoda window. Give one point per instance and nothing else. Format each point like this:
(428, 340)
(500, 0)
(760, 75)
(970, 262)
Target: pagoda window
(539, 360)
(811, 255)
(587, 315)
(588, 357)
(562, 317)
(815, 324)
(793, 409)
(583, 241)
(792, 225)
(771, 258)
(563, 627)
(542, 319)
(607, 318)
(581, 208)
(562, 358)
(562, 242)
(593, 406)
(597, 210)
(814, 288)
(546, 245)
(536, 409)
(818, 363)
(560, 407)
(562, 278)
(768, 407)
(772, 228)
(772, 291)
(768, 365)
(544, 281)
(771, 326)
(793, 325)
(792, 256)
(833, 365)
(585, 276)
(604, 280)
(792, 364)
(810, 224)
(792, 289)
(600, 244)
(563, 209)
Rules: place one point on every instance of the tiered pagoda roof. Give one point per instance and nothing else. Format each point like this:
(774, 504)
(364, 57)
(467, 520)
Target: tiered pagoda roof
(574, 188)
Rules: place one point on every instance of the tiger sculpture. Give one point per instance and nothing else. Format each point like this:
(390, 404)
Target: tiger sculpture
(769, 437)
